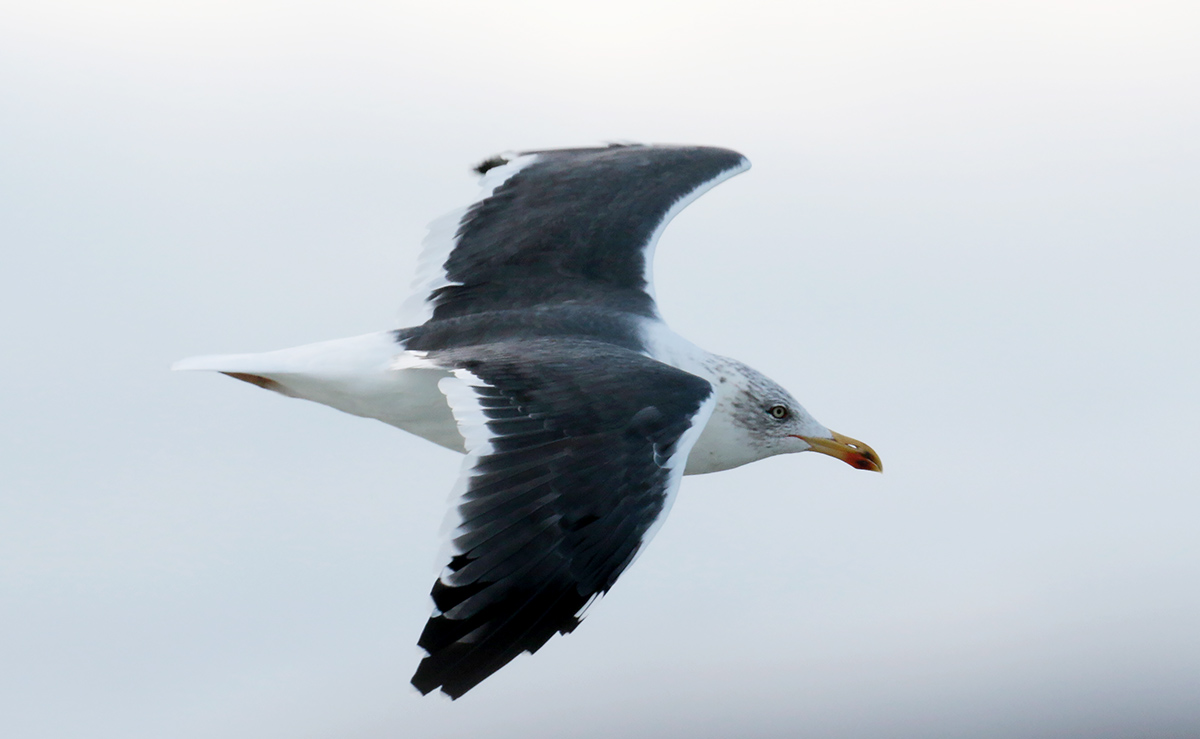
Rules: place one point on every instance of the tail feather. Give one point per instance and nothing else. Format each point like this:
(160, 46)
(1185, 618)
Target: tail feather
(226, 363)
(251, 368)
(356, 375)
(370, 352)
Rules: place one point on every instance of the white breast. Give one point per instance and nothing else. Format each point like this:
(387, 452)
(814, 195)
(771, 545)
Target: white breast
(723, 444)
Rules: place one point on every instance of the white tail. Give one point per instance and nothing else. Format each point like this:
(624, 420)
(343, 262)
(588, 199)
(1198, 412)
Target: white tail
(370, 375)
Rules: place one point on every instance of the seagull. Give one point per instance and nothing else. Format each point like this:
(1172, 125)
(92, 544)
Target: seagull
(533, 345)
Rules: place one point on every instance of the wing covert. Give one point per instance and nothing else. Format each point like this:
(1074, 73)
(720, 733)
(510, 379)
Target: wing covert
(565, 226)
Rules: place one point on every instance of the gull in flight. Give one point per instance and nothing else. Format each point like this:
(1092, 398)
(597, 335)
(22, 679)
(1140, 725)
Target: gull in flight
(534, 346)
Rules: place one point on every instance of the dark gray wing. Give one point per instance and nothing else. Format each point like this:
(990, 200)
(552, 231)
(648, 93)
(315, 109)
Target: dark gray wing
(575, 449)
(567, 226)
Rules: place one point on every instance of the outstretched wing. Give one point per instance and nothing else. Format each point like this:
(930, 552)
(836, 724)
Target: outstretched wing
(575, 449)
(565, 226)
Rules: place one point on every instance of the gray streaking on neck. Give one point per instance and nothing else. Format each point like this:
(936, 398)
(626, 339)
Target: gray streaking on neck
(741, 429)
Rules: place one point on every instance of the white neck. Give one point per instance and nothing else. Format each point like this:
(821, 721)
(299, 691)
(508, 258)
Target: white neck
(723, 444)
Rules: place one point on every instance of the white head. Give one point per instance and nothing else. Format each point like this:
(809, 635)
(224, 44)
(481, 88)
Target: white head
(755, 418)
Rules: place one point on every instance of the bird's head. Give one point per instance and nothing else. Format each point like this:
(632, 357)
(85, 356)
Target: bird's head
(756, 418)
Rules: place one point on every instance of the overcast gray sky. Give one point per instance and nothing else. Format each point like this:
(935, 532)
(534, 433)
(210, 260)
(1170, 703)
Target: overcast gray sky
(969, 239)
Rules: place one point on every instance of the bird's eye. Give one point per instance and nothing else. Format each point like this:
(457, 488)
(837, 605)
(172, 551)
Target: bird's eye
(778, 411)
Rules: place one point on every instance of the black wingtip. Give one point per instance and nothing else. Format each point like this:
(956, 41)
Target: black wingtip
(464, 653)
(489, 164)
(426, 683)
(456, 670)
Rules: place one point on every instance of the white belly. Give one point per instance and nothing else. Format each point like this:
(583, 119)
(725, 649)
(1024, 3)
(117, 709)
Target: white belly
(408, 399)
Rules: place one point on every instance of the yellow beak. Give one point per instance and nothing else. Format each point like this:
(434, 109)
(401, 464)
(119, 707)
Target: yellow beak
(851, 451)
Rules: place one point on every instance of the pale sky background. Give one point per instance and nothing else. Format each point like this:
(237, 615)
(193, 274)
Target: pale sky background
(969, 238)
